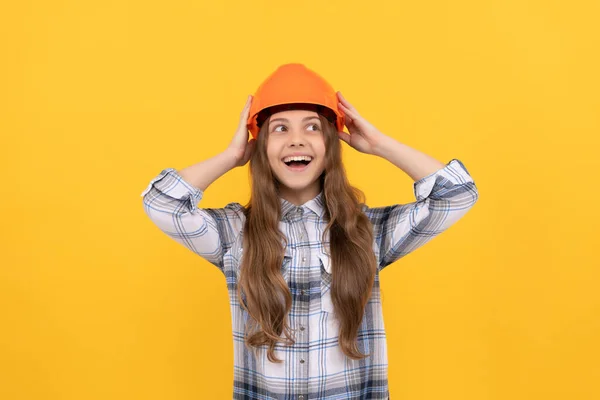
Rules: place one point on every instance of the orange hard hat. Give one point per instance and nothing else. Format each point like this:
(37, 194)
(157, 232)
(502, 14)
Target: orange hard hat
(294, 86)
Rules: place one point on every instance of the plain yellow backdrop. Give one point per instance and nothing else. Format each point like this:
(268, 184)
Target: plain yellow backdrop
(97, 97)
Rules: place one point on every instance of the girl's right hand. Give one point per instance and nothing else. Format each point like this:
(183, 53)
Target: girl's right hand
(240, 147)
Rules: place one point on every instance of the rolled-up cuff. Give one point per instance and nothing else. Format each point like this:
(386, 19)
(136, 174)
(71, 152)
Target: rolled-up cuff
(453, 173)
(172, 184)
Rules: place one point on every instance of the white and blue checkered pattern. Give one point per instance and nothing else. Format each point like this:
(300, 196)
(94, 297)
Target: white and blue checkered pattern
(315, 367)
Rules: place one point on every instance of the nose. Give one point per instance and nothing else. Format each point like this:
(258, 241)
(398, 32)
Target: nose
(297, 137)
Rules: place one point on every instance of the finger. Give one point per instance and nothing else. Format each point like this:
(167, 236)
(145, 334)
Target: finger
(345, 102)
(351, 113)
(344, 136)
(247, 105)
(245, 112)
(348, 120)
(249, 149)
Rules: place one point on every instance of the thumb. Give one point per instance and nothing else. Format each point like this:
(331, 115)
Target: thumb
(250, 147)
(344, 136)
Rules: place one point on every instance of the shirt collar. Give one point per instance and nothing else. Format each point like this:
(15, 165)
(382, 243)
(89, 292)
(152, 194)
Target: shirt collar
(290, 211)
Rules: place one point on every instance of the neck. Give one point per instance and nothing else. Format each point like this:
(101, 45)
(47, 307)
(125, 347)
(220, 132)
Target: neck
(299, 197)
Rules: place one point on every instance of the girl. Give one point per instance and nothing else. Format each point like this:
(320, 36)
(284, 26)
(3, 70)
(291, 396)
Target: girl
(302, 258)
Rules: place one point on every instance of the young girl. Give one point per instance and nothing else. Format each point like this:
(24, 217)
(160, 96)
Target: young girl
(302, 258)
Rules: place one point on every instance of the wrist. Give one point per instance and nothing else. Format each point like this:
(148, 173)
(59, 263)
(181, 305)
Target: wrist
(232, 158)
(383, 146)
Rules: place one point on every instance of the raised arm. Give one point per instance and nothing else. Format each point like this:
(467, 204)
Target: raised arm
(442, 198)
(171, 201)
(444, 193)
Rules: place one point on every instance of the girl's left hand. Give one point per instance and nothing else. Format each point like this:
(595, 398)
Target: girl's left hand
(363, 137)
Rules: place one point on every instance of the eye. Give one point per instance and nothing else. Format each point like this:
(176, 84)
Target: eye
(276, 129)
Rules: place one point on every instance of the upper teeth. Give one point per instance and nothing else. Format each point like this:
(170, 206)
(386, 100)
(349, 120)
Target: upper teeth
(297, 158)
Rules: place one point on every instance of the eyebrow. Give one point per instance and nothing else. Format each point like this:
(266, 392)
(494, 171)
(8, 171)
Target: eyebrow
(287, 120)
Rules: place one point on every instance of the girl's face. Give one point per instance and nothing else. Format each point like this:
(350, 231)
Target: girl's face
(296, 132)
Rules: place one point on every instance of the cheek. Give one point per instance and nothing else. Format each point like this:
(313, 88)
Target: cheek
(320, 151)
(271, 153)
(321, 165)
(274, 160)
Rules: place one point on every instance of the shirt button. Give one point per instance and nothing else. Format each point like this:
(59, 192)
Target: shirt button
(303, 259)
(302, 291)
(302, 361)
(301, 328)
(301, 397)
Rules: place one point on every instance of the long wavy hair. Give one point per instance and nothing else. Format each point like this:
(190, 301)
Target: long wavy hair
(262, 290)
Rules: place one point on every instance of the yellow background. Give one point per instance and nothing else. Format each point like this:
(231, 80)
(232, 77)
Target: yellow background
(97, 97)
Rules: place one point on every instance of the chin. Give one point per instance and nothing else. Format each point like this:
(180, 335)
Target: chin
(297, 181)
(298, 184)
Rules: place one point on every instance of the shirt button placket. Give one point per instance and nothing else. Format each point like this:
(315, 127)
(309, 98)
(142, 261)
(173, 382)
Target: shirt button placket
(303, 357)
(305, 297)
(304, 335)
(303, 279)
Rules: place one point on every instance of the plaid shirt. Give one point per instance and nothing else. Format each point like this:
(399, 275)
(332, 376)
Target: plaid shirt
(315, 367)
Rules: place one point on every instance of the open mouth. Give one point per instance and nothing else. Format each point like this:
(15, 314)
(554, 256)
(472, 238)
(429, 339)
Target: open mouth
(297, 166)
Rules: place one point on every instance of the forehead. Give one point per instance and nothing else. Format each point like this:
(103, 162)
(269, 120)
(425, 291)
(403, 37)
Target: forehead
(293, 115)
